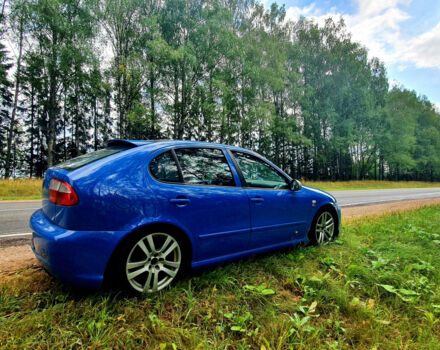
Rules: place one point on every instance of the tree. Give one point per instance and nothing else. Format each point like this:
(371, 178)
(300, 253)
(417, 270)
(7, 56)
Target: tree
(304, 95)
(61, 29)
(5, 94)
(19, 21)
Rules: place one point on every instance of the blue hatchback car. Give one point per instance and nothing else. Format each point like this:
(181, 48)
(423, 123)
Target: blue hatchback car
(142, 212)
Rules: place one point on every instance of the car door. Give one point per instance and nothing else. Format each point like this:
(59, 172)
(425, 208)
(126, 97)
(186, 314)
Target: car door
(278, 214)
(196, 186)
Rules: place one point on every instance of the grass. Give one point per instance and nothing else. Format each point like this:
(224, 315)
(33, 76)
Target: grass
(20, 189)
(368, 185)
(376, 287)
(24, 189)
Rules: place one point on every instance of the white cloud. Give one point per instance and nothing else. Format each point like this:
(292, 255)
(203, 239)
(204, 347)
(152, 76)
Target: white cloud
(373, 8)
(393, 83)
(312, 12)
(424, 50)
(295, 12)
(377, 25)
(378, 28)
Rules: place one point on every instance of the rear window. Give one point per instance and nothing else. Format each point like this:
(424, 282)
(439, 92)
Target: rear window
(78, 162)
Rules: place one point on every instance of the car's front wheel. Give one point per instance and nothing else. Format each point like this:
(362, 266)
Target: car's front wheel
(151, 261)
(323, 228)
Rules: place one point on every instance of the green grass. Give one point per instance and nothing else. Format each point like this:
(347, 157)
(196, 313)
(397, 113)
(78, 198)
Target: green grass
(376, 287)
(368, 185)
(23, 189)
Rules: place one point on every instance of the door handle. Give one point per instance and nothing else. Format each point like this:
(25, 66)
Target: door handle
(257, 199)
(180, 202)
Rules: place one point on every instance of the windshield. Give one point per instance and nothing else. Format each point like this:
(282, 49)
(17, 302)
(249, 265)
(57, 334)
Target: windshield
(78, 162)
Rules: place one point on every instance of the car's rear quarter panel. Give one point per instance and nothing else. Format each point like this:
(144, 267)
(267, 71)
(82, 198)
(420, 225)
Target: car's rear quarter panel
(112, 194)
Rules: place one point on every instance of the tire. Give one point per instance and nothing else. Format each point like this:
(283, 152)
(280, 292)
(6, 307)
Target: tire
(150, 261)
(323, 229)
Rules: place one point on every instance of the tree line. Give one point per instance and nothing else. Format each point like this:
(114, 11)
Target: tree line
(75, 73)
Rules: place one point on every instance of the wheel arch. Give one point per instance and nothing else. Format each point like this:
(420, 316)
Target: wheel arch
(331, 209)
(158, 227)
(334, 212)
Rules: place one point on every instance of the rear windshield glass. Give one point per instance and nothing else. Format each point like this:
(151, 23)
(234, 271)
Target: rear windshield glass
(78, 162)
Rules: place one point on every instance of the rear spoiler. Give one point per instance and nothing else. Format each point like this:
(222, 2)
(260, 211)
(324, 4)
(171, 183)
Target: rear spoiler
(127, 143)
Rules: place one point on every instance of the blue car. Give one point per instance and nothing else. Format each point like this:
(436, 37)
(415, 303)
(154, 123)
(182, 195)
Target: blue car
(142, 212)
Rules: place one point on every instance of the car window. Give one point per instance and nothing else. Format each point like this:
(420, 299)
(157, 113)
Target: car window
(80, 161)
(258, 173)
(204, 166)
(164, 168)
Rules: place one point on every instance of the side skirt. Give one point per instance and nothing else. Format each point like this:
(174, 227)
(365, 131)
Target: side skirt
(235, 256)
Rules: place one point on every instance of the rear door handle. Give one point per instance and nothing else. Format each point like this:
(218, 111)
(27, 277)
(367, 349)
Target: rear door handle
(257, 199)
(180, 202)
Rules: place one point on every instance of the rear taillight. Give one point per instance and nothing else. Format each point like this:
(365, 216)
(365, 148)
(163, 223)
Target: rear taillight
(62, 193)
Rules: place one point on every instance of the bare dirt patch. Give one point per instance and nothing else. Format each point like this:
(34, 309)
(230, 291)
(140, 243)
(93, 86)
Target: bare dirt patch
(15, 258)
(352, 212)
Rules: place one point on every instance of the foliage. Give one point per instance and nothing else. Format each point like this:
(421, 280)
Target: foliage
(377, 287)
(305, 96)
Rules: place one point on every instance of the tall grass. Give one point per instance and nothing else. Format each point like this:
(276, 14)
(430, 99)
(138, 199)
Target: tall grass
(31, 188)
(368, 184)
(376, 287)
(20, 189)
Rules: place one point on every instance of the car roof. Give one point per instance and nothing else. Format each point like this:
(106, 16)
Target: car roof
(157, 144)
(137, 143)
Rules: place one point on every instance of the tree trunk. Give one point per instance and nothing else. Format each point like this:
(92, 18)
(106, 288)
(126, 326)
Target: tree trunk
(64, 127)
(153, 107)
(52, 110)
(31, 163)
(3, 8)
(182, 104)
(15, 104)
(176, 104)
(95, 124)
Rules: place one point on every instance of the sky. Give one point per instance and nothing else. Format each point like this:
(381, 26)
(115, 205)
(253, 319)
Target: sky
(404, 34)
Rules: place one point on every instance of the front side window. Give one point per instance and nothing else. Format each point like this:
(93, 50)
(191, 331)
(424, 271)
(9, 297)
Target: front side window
(164, 168)
(258, 173)
(204, 166)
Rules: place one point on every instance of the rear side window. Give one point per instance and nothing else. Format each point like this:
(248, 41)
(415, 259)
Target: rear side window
(204, 166)
(164, 168)
(78, 162)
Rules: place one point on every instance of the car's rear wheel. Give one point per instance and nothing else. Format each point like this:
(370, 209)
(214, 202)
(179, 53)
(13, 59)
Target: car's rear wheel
(149, 262)
(323, 228)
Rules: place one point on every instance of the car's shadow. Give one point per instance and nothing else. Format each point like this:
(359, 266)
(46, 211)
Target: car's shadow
(117, 293)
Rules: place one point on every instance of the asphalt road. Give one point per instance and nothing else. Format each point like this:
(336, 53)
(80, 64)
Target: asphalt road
(14, 221)
(14, 215)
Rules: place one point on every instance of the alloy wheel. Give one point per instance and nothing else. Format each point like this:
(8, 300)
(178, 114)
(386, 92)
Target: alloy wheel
(325, 228)
(153, 262)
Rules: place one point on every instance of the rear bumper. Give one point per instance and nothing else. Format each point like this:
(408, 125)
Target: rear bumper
(75, 257)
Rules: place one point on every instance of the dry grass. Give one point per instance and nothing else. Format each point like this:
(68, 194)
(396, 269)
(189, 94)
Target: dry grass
(20, 189)
(368, 185)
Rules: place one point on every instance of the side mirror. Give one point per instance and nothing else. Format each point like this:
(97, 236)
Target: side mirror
(295, 185)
